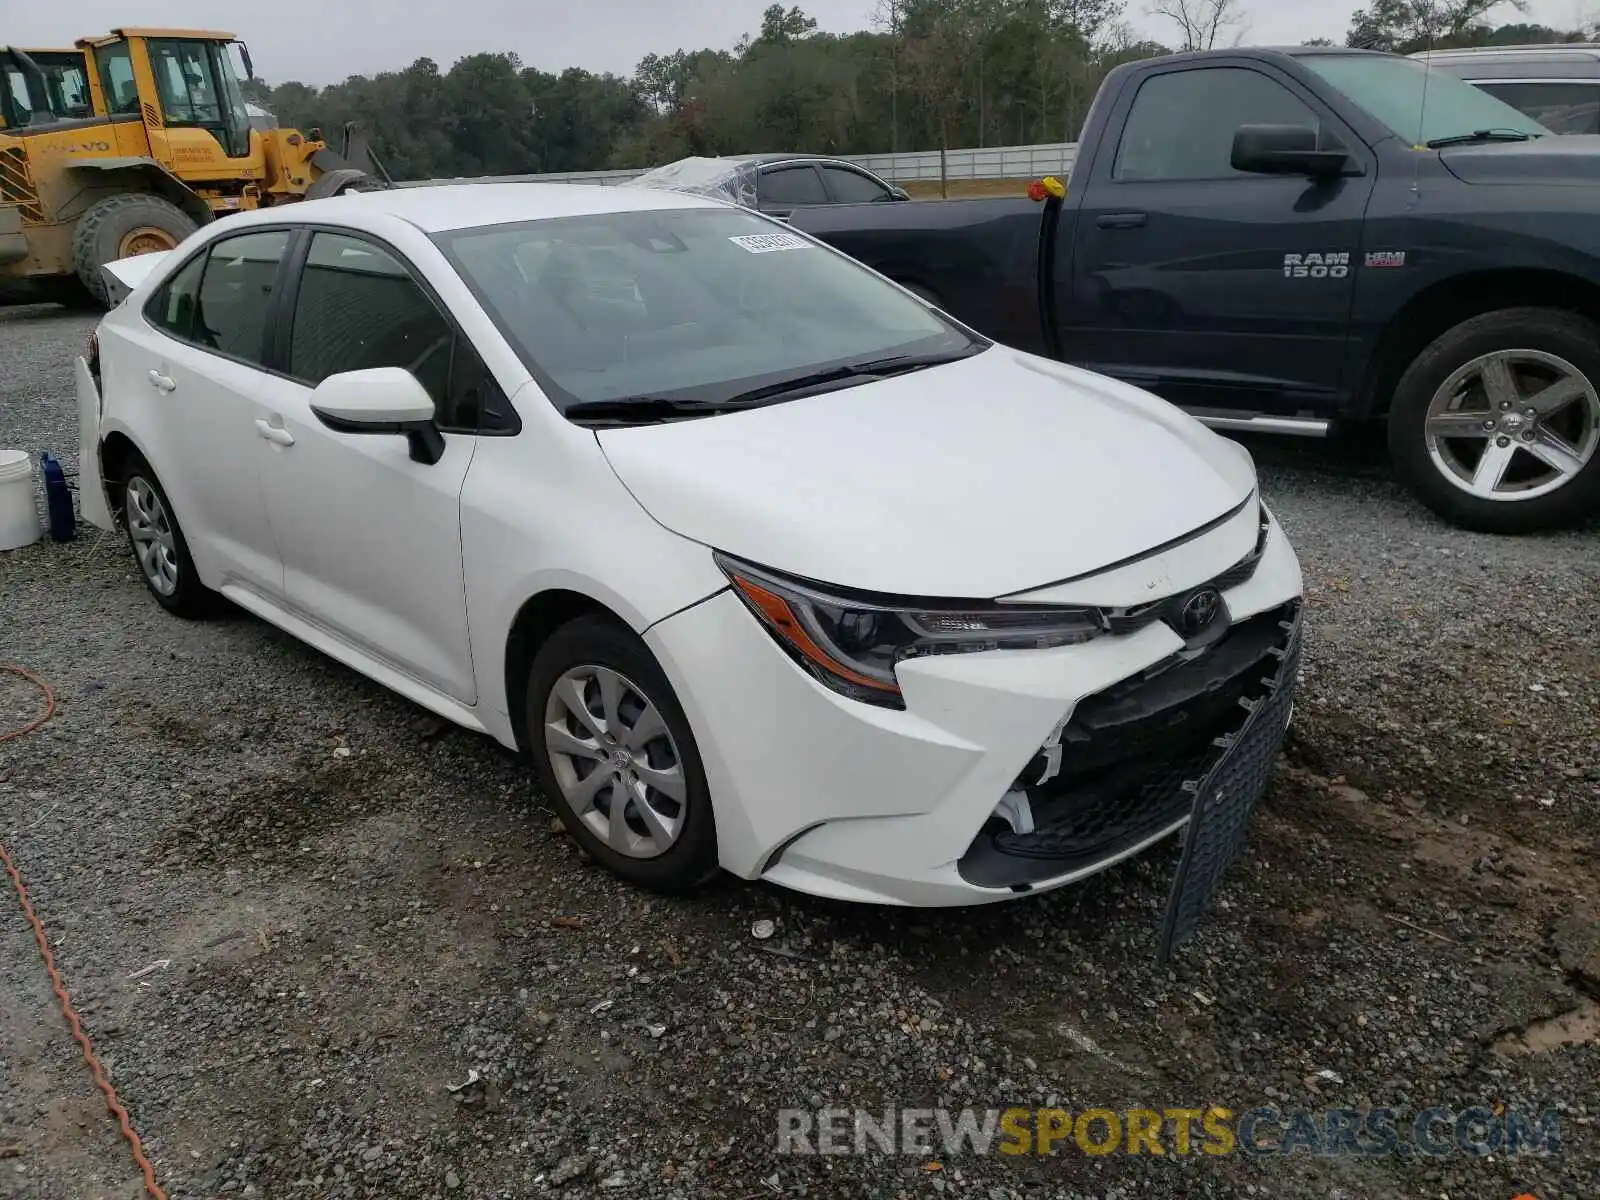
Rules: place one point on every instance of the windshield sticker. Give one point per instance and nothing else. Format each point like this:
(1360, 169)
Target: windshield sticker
(1386, 258)
(767, 243)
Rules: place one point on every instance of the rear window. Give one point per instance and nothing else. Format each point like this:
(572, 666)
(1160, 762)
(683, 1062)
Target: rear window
(682, 302)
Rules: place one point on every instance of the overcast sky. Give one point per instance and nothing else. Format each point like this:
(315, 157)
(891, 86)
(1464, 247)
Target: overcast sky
(322, 41)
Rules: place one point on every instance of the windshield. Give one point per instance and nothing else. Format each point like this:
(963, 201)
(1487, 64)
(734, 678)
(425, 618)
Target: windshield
(1392, 91)
(693, 304)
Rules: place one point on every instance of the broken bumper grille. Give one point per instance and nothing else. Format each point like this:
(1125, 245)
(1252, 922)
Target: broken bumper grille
(1135, 757)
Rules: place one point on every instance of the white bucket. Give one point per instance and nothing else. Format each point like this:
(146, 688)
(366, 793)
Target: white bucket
(19, 515)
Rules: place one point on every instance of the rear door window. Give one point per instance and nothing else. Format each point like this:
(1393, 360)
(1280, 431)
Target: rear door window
(236, 294)
(221, 298)
(852, 187)
(173, 306)
(789, 187)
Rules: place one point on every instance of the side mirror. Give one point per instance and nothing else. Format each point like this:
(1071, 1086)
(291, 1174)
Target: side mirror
(899, 193)
(381, 400)
(1285, 150)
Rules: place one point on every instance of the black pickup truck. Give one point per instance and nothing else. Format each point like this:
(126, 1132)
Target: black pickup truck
(1290, 240)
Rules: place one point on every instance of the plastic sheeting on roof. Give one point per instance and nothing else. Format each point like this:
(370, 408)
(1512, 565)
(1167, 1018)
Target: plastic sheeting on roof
(732, 180)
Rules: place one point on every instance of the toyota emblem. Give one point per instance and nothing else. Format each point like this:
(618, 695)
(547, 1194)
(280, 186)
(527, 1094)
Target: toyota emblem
(1199, 610)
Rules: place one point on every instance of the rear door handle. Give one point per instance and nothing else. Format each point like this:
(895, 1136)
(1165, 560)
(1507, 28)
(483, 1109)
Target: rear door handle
(1128, 220)
(162, 383)
(276, 434)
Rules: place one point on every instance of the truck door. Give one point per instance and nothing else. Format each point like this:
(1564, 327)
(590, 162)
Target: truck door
(1216, 289)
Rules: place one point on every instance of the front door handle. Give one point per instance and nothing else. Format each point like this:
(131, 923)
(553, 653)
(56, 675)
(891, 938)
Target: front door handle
(162, 383)
(1127, 220)
(276, 434)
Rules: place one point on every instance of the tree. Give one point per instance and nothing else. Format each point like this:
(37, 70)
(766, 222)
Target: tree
(1406, 26)
(941, 42)
(780, 28)
(1202, 22)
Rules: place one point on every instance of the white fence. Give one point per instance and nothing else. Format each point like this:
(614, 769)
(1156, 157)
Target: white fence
(994, 162)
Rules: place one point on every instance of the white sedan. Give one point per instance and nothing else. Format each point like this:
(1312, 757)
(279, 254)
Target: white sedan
(765, 563)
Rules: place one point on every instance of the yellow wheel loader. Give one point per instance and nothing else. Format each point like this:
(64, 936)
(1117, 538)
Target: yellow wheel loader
(128, 143)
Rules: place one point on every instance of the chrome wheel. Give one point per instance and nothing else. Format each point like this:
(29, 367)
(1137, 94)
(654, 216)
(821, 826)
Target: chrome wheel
(151, 531)
(615, 761)
(1513, 425)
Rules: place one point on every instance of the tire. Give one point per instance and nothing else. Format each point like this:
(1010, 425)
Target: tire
(120, 227)
(160, 548)
(337, 182)
(1448, 436)
(675, 853)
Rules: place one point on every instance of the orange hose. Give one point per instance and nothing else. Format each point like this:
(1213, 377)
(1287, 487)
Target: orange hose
(49, 702)
(56, 984)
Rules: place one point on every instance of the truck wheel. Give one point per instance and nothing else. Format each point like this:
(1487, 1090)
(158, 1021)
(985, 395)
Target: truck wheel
(121, 227)
(1496, 425)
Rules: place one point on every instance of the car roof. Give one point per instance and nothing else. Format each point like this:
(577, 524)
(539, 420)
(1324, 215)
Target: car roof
(1553, 51)
(775, 157)
(437, 208)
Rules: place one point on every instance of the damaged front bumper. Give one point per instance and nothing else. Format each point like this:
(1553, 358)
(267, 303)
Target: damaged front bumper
(1008, 772)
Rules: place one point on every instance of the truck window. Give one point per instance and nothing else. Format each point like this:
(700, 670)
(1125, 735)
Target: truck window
(1560, 105)
(1182, 122)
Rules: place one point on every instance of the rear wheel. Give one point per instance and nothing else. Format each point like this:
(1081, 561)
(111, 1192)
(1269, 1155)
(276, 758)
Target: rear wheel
(122, 227)
(615, 755)
(1496, 425)
(159, 546)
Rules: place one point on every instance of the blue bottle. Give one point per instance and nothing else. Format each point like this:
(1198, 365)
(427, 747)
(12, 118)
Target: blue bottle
(57, 497)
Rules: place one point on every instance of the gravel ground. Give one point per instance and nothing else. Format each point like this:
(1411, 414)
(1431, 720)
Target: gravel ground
(353, 908)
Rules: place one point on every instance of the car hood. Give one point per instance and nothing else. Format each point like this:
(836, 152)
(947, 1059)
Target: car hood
(992, 475)
(1557, 159)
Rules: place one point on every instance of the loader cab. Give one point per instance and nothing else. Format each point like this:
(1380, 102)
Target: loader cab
(178, 80)
(39, 87)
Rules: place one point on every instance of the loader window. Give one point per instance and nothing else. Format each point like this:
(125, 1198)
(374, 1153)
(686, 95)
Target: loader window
(197, 88)
(15, 104)
(116, 76)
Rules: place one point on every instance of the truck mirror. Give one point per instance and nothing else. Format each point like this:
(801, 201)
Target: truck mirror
(1285, 150)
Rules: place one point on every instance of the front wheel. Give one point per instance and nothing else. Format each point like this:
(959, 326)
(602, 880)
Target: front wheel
(1496, 425)
(615, 756)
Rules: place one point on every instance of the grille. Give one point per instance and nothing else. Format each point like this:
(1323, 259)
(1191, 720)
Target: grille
(1132, 753)
(1131, 620)
(16, 184)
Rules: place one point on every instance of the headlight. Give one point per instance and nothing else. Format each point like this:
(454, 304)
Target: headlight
(853, 643)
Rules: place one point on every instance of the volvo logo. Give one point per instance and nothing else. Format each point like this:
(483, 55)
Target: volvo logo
(1199, 611)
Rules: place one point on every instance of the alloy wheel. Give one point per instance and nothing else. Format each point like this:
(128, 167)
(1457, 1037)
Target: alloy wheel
(615, 761)
(1513, 425)
(153, 541)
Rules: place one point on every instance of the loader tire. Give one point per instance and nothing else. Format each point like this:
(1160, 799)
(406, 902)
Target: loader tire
(337, 182)
(121, 227)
